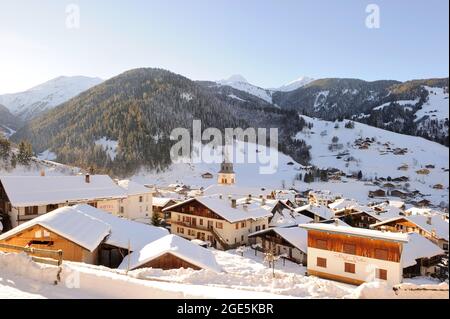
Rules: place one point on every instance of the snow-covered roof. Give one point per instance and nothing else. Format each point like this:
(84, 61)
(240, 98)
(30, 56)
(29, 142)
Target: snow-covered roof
(418, 247)
(343, 203)
(224, 209)
(234, 190)
(318, 210)
(358, 232)
(161, 201)
(124, 231)
(177, 246)
(25, 191)
(438, 224)
(296, 236)
(396, 203)
(287, 218)
(71, 223)
(133, 188)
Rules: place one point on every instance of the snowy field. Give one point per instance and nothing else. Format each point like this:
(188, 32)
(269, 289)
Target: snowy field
(243, 277)
(378, 160)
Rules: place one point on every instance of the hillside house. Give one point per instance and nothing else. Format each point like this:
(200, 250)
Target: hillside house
(322, 197)
(354, 255)
(23, 198)
(315, 212)
(435, 228)
(218, 220)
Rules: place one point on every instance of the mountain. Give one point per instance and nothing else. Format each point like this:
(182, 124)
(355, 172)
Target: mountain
(418, 107)
(124, 123)
(8, 122)
(240, 83)
(294, 85)
(28, 104)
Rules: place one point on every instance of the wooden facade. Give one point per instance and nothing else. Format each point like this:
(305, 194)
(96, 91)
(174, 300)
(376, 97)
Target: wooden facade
(168, 261)
(358, 246)
(40, 237)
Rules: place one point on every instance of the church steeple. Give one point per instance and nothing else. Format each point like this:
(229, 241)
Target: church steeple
(226, 173)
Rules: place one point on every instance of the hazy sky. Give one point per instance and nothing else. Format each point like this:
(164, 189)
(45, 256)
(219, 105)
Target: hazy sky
(268, 42)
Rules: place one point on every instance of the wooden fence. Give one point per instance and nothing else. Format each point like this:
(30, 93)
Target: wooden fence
(46, 256)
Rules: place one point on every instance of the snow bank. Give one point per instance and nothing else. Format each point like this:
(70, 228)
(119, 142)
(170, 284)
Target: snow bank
(22, 265)
(373, 290)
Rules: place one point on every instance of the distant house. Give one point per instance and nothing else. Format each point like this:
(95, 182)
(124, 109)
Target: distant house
(158, 205)
(377, 193)
(26, 197)
(171, 252)
(291, 242)
(138, 204)
(207, 175)
(84, 234)
(218, 220)
(322, 197)
(423, 203)
(435, 228)
(398, 193)
(438, 186)
(354, 255)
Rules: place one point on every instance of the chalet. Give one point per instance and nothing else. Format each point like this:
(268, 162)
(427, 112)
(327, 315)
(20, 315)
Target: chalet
(398, 193)
(288, 218)
(354, 255)
(218, 220)
(25, 197)
(84, 234)
(207, 175)
(171, 252)
(288, 241)
(377, 193)
(316, 212)
(138, 204)
(423, 171)
(438, 186)
(403, 167)
(420, 256)
(423, 203)
(435, 228)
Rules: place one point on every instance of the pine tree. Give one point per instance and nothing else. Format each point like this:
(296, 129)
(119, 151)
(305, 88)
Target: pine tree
(156, 221)
(25, 153)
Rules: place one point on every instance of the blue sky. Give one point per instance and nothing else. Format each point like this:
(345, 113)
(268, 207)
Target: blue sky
(268, 42)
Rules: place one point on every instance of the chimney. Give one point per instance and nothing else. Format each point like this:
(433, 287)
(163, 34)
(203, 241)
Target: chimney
(263, 201)
(87, 178)
(429, 220)
(42, 173)
(336, 222)
(220, 196)
(233, 203)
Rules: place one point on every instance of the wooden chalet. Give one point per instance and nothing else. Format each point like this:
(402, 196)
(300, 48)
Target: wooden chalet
(354, 255)
(218, 220)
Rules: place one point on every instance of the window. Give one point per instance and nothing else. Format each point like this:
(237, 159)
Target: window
(257, 228)
(179, 218)
(350, 249)
(350, 268)
(219, 225)
(51, 207)
(32, 210)
(180, 230)
(237, 225)
(445, 246)
(201, 222)
(121, 210)
(242, 237)
(41, 242)
(191, 209)
(321, 262)
(264, 227)
(321, 244)
(243, 225)
(141, 199)
(382, 274)
(381, 254)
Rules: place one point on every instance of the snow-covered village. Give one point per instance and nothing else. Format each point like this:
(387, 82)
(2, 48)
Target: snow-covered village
(163, 176)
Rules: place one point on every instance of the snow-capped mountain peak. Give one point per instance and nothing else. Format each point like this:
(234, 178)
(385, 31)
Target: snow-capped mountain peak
(238, 82)
(45, 96)
(294, 85)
